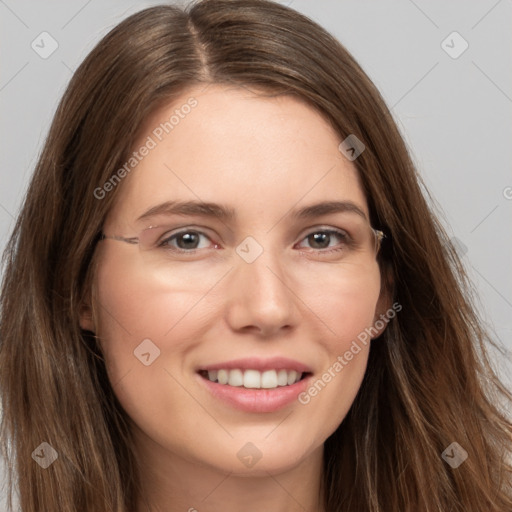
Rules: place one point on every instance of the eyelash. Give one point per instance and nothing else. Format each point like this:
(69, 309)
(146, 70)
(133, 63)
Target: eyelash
(343, 235)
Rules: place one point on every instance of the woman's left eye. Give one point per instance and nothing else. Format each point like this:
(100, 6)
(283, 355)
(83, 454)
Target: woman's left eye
(187, 241)
(319, 237)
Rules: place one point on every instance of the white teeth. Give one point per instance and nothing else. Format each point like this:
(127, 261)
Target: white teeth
(269, 379)
(291, 377)
(282, 378)
(236, 378)
(223, 376)
(253, 379)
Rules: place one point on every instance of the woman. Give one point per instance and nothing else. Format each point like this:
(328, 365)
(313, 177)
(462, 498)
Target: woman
(258, 368)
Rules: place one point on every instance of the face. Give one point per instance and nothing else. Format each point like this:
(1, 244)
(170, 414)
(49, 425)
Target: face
(227, 338)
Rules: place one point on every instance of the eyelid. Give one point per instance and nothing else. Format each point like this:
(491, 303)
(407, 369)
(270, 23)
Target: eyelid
(323, 227)
(201, 230)
(172, 233)
(194, 227)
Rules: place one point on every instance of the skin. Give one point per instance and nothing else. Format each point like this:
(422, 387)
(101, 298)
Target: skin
(263, 157)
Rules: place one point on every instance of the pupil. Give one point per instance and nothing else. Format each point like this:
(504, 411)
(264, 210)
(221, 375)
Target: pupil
(317, 237)
(188, 237)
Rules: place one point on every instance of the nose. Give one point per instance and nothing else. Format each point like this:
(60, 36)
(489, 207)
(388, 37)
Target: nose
(261, 296)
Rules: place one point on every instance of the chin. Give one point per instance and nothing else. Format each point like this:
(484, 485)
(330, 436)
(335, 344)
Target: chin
(258, 457)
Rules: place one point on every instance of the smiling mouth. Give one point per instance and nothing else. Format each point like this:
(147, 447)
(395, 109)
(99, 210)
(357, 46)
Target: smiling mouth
(253, 379)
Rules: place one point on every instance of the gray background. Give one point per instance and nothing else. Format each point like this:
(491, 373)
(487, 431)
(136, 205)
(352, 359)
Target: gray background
(455, 113)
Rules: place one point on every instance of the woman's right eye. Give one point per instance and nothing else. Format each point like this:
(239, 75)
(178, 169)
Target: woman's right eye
(186, 241)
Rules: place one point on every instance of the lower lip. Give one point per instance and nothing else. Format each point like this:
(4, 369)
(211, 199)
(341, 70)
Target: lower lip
(256, 400)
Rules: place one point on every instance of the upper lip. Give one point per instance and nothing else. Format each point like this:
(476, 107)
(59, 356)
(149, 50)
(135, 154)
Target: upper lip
(253, 363)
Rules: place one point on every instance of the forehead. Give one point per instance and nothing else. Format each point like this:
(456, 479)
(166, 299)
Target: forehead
(230, 145)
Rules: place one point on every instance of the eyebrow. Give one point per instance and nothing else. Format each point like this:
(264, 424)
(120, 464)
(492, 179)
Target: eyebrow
(224, 213)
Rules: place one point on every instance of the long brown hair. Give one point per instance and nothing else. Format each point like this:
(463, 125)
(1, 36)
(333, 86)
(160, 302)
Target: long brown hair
(428, 382)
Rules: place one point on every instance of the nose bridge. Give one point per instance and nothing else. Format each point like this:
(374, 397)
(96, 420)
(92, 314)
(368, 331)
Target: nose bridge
(261, 292)
(261, 265)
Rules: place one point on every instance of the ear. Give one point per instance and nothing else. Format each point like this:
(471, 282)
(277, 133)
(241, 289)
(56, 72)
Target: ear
(86, 318)
(86, 310)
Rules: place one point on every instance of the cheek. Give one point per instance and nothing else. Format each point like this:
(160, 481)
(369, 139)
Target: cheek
(132, 311)
(346, 302)
(349, 312)
(140, 304)
(333, 311)
(146, 332)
